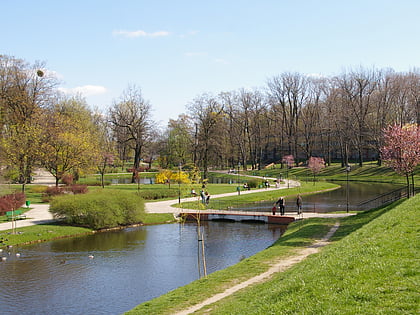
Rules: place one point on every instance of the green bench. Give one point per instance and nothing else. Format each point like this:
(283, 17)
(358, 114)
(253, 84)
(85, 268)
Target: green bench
(15, 215)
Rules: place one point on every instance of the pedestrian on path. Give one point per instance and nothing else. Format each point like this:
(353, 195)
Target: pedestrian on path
(281, 205)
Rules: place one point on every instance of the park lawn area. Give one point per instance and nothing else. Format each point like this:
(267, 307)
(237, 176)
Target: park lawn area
(223, 203)
(371, 267)
(40, 233)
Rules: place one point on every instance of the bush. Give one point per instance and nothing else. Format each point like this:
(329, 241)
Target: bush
(67, 179)
(56, 191)
(11, 202)
(253, 183)
(37, 189)
(154, 194)
(102, 209)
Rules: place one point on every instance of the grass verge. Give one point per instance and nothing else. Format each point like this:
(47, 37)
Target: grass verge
(40, 233)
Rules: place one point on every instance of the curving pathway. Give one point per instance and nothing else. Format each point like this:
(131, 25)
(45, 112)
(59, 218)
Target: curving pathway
(277, 267)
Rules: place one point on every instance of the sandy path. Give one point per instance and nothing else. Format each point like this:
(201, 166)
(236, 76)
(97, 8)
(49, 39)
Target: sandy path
(278, 267)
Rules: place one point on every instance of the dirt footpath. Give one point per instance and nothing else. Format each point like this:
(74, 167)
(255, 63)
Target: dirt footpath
(278, 267)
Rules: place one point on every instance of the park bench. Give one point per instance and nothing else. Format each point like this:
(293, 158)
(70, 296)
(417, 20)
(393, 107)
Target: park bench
(16, 215)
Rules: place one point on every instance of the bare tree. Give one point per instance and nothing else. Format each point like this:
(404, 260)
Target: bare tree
(288, 93)
(130, 117)
(207, 113)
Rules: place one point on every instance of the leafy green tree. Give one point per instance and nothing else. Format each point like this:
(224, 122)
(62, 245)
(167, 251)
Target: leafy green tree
(69, 145)
(24, 92)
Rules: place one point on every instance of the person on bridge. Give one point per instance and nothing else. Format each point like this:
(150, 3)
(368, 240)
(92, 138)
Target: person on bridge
(281, 205)
(299, 204)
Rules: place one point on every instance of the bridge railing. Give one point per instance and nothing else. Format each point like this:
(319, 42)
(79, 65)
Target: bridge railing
(238, 206)
(385, 199)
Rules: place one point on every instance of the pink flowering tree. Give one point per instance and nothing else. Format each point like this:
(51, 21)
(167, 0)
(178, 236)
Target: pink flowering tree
(402, 150)
(289, 160)
(316, 164)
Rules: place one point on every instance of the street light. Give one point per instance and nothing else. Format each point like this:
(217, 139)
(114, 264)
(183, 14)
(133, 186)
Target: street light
(348, 168)
(179, 184)
(239, 187)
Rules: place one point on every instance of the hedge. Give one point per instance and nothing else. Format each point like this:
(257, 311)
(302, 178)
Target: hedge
(101, 209)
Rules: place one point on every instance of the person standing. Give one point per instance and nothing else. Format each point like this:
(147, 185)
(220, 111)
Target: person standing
(203, 196)
(207, 198)
(281, 205)
(299, 204)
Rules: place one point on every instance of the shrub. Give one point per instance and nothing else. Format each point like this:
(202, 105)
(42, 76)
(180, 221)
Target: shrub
(37, 189)
(102, 209)
(67, 179)
(77, 189)
(11, 201)
(253, 183)
(154, 194)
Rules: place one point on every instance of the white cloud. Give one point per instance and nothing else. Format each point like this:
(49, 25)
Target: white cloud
(139, 33)
(86, 90)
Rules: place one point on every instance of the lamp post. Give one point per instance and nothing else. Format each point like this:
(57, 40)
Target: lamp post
(239, 187)
(348, 168)
(179, 184)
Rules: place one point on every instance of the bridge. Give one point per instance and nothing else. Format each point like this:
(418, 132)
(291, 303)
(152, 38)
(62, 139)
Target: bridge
(235, 216)
(247, 216)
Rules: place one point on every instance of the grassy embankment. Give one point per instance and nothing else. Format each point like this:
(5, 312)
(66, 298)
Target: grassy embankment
(371, 267)
(369, 172)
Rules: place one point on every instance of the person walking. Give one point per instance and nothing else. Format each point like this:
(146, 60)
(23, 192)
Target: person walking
(281, 205)
(299, 204)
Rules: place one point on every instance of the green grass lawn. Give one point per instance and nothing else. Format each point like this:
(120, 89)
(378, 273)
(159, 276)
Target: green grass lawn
(370, 171)
(40, 232)
(372, 267)
(224, 202)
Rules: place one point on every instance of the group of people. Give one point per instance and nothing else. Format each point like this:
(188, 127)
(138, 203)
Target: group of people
(281, 205)
(205, 196)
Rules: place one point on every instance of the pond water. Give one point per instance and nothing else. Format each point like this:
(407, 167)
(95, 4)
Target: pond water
(330, 201)
(137, 264)
(129, 266)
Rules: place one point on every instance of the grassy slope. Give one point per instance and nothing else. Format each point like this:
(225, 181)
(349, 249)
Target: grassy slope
(375, 270)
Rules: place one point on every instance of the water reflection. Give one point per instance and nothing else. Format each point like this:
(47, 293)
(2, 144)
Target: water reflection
(330, 201)
(129, 266)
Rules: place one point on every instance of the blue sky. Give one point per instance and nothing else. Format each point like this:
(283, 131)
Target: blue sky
(177, 50)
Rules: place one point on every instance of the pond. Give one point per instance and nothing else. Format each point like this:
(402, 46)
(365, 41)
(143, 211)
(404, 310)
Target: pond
(330, 201)
(128, 266)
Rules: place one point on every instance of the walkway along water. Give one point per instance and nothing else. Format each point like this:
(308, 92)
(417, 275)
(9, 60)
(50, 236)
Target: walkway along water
(278, 267)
